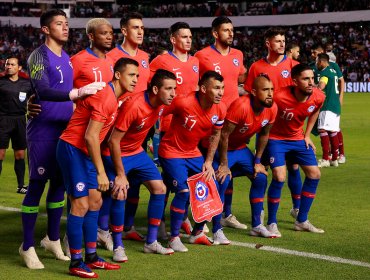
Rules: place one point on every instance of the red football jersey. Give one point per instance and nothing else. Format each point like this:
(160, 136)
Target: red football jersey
(292, 114)
(279, 74)
(247, 123)
(100, 107)
(187, 77)
(135, 117)
(190, 123)
(88, 68)
(142, 58)
(230, 66)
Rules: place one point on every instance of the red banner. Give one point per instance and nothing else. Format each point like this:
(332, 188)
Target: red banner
(205, 201)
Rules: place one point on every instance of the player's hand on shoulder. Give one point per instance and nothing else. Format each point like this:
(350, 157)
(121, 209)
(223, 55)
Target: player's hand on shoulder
(87, 90)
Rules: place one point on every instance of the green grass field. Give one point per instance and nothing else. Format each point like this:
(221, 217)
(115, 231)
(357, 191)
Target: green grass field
(342, 208)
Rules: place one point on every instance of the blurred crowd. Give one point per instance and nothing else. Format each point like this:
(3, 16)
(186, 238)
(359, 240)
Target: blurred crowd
(351, 43)
(204, 9)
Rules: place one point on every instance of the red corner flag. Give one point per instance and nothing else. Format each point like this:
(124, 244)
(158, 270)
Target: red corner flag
(205, 201)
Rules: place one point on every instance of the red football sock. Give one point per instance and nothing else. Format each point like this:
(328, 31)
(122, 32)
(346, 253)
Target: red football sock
(325, 144)
(341, 145)
(334, 143)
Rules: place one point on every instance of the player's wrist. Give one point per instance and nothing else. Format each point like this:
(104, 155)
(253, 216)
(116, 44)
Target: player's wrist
(257, 160)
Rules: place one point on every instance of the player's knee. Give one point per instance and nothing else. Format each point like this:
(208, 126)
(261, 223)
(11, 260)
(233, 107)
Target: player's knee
(279, 176)
(314, 173)
(183, 195)
(79, 206)
(95, 201)
(158, 187)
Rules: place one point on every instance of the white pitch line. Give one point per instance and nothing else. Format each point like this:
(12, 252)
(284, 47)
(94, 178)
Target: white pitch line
(263, 247)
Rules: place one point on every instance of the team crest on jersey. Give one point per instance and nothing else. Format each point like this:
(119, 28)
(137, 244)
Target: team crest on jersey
(201, 191)
(311, 108)
(214, 119)
(285, 73)
(41, 170)
(272, 160)
(236, 61)
(80, 186)
(22, 96)
(264, 122)
(160, 112)
(195, 69)
(174, 183)
(144, 64)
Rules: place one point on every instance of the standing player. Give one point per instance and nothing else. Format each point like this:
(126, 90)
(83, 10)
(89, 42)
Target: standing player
(194, 118)
(93, 65)
(14, 93)
(288, 141)
(135, 118)
(51, 77)
(132, 28)
(79, 157)
(292, 51)
(248, 115)
(315, 51)
(329, 118)
(278, 66)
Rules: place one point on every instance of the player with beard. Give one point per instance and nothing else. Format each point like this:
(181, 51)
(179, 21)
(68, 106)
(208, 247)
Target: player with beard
(278, 66)
(228, 62)
(248, 115)
(288, 141)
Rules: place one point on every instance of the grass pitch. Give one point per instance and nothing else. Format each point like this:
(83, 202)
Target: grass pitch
(341, 208)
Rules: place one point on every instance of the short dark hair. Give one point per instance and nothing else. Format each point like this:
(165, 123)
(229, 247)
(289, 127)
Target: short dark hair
(291, 45)
(272, 32)
(317, 47)
(131, 15)
(323, 57)
(209, 75)
(159, 76)
(122, 63)
(47, 17)
(220, 20)
(177, 26)
(299, 68)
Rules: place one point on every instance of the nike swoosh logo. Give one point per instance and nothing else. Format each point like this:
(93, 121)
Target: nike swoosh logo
(58, 67)
(214, 64)
(191, 116)
(85, 273)
(175, 69)
(95, 68)
(288, 109)
(145, 119)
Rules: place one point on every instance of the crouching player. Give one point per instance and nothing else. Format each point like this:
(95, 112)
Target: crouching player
(248, 115)
(194, 117)
(288, 141)
(135, 118)
(78, 154)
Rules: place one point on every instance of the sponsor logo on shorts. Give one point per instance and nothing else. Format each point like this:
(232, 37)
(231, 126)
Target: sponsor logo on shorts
(41, 170)
(236, 61)
(80, 186)
(201, 191)
(144, 64)
(285, 73)
(272, 160)
(195, 69)
(264, 122)
(174, 183)
(311, 108)
(214, 119)
(111, 183)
